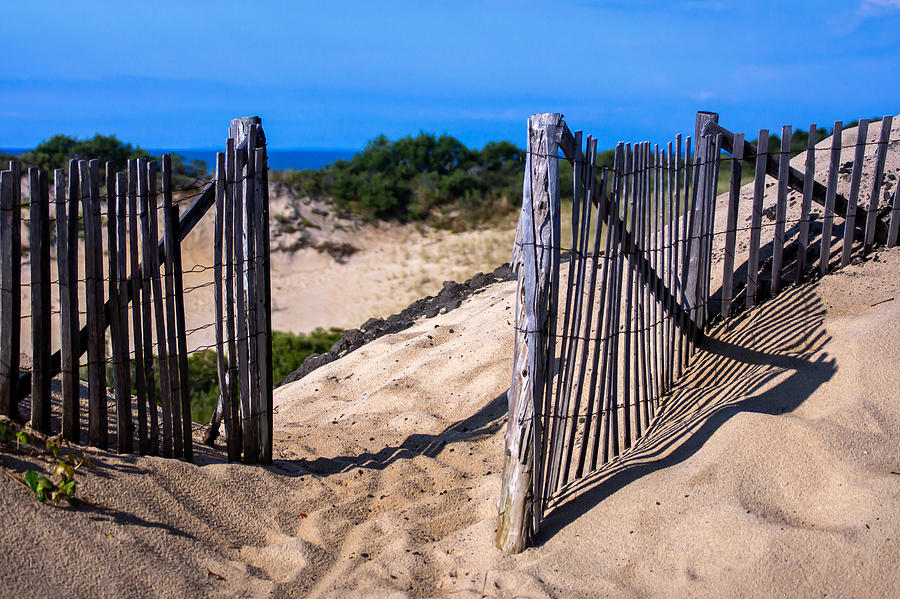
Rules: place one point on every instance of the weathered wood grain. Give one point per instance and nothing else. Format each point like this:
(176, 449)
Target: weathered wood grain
(855, 179)
(118, 214)
(734, 196)
(67, 271)
(784, 165)
(516, 515)
(830, 196)
(39, 229)
(169, 235)
(159, 315)
(146, 268)
(759, 191)
(135, 282)
(806, 204)
(875, 190)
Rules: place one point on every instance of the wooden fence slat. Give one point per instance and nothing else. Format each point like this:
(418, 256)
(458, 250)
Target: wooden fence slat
(734, 196)
(830, 193)
(9, 295)
(590, 275)
(644, 319)
(117, 359)
(67, 271)
(759, 192)
(806, 203)
(895, 219)
(562, 421)
(604, 213)
(181, 334)
(639, 356)
(169, 235)
(681, 225)
(611, 288)
(221, 365)
(119, 287)
(266, 289)
(147, 305)
(251, 432)
(784, 165)
(517, 520)
(159, 316)
(39, 229)
(709, 218)
(93, 264)
(580, 238)
(263, 343)
(235, 434)
(673, 187)
(656, 249)
(241, 301)
(614, 336)
(137, 320)
(886, 126)
(855, 177)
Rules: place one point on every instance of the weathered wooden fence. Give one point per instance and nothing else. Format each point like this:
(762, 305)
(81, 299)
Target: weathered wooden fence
(126, 264)
(600, 340)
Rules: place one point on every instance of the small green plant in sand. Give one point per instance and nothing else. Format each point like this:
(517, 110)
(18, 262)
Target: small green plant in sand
(61, 486)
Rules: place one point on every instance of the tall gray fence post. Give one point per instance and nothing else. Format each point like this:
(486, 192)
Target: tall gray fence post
(518, 513)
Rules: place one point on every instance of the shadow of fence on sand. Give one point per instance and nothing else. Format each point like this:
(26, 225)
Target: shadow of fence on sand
(769, 360)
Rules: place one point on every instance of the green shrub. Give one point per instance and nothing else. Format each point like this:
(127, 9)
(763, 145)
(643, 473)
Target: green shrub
(288, 352)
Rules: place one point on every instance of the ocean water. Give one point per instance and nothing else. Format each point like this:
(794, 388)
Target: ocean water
(278, 159)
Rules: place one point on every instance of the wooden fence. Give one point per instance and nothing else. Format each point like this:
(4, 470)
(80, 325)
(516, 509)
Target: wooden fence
(601, 339)
(126, 264)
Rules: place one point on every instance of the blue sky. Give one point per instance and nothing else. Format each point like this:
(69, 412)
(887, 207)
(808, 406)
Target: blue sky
(335, 74)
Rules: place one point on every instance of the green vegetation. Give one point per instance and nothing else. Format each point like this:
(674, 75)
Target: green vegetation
(48, 450)
(58, 150)
(423, 178)
(288, 352)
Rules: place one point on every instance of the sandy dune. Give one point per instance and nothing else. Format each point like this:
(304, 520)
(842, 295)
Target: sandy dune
(773, 470)
(772, 473)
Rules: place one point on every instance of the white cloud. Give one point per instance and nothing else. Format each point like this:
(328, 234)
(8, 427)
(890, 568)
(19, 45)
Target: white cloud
(872, 7)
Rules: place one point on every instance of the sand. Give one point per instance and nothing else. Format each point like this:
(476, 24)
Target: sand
(772, 471)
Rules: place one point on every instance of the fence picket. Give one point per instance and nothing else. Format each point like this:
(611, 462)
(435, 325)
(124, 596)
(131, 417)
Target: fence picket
(759, 192)
(39, 229)
(235, 426)
(830, 192)
(784, 165)
(136, 283)
(9, 296)
(850, 216)
(147, 245)
(118, 366)
(251, 432)
(67, 271)
(806, 203)
(151, 256)
(118, 215)
(734, 196)
(869, 238)
(93, 272)
(169, 236)
(895, 219)
(181, 334)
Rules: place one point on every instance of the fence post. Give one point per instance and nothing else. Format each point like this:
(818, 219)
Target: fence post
(695, 244)
(39, 211)
(517, 515)
(10, 288)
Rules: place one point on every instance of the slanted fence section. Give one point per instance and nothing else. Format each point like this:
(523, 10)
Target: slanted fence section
(602, 336)
(121, 318)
